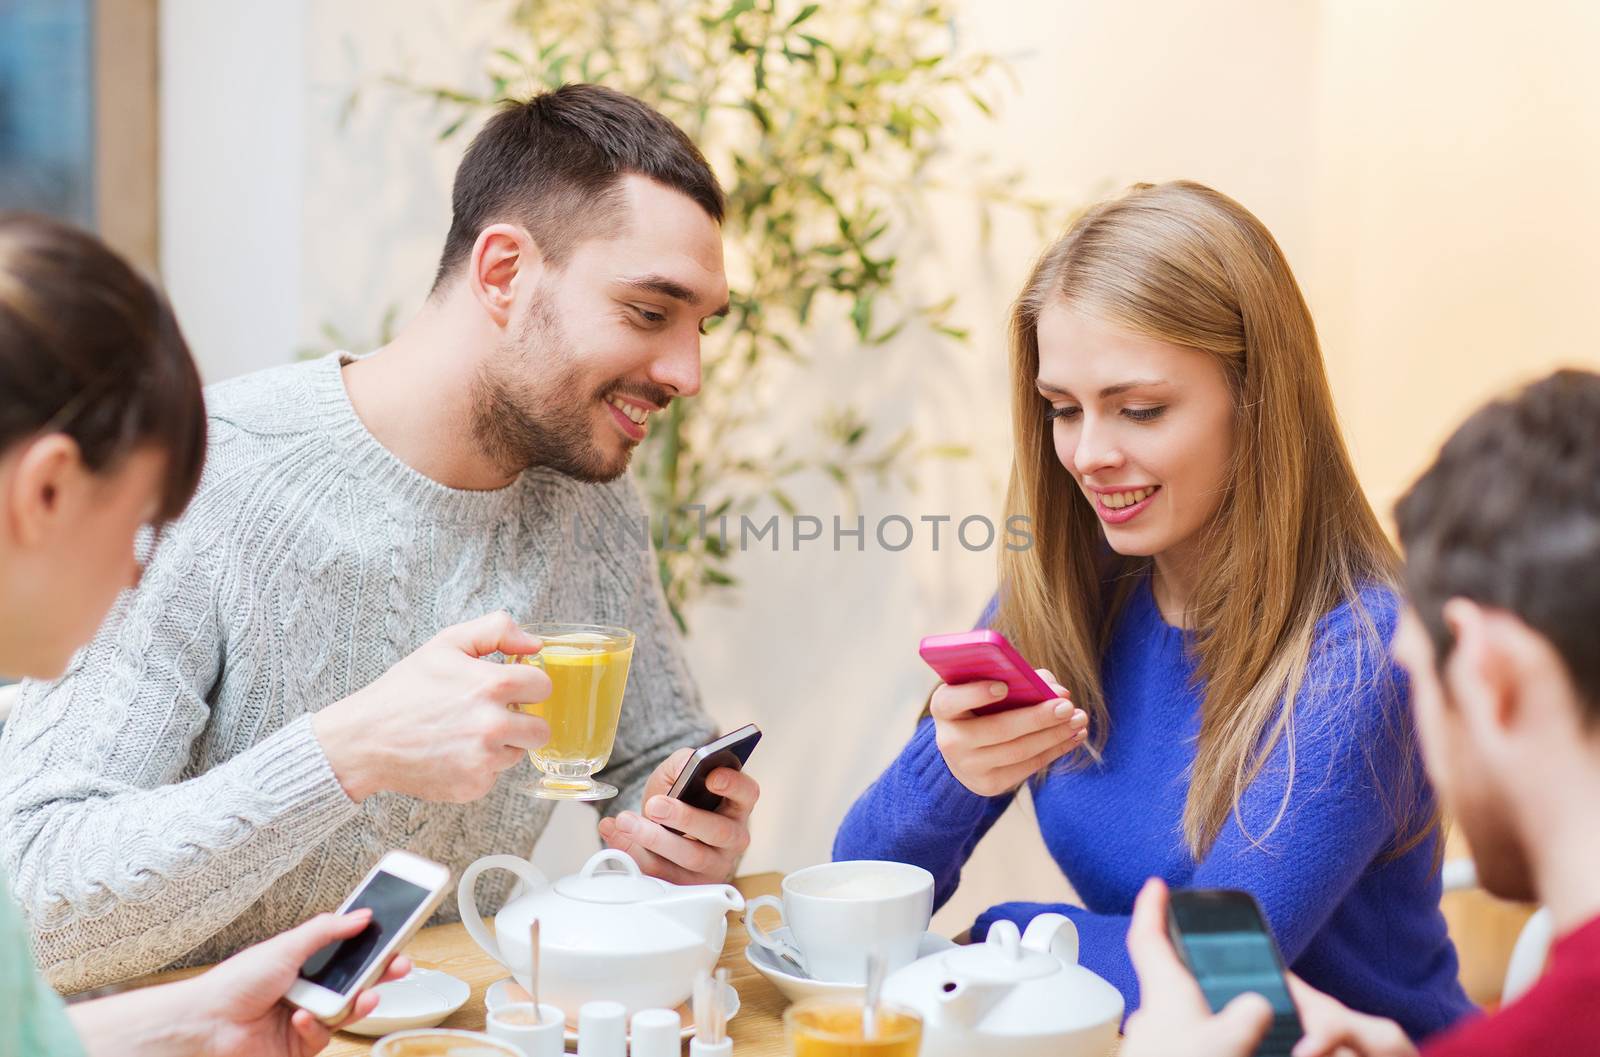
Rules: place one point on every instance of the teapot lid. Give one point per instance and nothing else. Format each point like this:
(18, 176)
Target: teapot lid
(623, 885)
(1009, 987)
(1001, 958)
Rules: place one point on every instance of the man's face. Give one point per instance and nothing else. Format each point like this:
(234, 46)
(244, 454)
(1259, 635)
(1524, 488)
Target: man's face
(1466, 772)
(606, 342)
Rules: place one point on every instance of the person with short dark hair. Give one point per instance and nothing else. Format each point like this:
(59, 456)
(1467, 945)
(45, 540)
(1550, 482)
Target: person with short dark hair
(276, 706)
(1502, 544)
(102, 435)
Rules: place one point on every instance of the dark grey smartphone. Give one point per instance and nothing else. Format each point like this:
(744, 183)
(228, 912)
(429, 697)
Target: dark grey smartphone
(730, 750)
(1223, 938)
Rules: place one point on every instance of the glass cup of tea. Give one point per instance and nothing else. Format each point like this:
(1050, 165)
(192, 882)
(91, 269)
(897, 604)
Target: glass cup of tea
(832, 1027)
(588, 669)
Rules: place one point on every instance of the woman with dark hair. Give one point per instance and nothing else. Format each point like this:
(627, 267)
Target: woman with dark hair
(102, 434)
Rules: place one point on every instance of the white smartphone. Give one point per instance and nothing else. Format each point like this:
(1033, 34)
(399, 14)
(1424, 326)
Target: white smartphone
(402, 891)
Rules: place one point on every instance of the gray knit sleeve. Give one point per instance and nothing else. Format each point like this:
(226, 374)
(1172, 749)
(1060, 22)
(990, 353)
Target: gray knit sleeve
(661, 710)
(120, 856)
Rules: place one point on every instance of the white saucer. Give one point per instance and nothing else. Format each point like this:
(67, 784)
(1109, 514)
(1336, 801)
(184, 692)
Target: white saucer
(423, 998)
(795, 988)
(497, 996)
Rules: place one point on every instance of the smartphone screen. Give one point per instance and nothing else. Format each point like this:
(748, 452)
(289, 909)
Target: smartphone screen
(1228, 948)
(393, 900)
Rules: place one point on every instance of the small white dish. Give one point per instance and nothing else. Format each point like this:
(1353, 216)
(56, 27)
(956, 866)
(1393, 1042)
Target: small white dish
(423, 998)
(499, 995)
(796, 987)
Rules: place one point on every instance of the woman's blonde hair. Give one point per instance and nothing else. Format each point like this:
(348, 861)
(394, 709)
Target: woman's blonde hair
(1294, 536)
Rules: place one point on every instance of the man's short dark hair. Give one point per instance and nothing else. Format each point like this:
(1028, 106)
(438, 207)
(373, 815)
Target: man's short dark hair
(554, 164)
(1508, 515)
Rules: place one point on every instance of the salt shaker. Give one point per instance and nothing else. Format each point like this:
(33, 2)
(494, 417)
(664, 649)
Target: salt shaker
(603, 1030)
(656, 1033)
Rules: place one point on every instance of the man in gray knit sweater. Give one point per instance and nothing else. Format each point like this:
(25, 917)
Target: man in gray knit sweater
(276, 705)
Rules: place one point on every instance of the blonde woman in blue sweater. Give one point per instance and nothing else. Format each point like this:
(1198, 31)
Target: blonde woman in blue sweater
(1213, 589)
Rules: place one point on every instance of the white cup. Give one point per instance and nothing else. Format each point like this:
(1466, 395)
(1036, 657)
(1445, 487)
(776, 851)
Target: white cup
(839, 912)
(546, 1038)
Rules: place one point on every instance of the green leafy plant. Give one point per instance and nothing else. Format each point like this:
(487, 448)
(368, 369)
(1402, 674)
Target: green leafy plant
(827, 125)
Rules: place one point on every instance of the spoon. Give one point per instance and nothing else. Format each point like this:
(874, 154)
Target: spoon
(533, 970)
(874, 991)
(719, 1008)
(796, 969)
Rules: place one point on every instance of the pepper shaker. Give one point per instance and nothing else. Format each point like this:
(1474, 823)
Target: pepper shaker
(656, 1033)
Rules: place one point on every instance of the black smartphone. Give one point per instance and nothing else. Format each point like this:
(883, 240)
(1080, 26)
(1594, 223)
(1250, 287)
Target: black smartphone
(730, 750)
(1223, 938)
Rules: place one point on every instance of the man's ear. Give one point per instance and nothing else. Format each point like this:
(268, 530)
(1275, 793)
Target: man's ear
(37, 489)
(503, 259)
(1479, 674)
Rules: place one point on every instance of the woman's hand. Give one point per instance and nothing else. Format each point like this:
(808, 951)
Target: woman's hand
(236, 1008)
(994, 754)
(242, 998)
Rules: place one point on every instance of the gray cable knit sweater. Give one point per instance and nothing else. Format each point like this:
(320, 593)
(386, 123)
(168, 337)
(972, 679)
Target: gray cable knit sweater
(166, 803)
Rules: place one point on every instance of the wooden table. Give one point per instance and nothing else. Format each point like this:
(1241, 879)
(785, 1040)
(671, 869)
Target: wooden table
(756, 1032)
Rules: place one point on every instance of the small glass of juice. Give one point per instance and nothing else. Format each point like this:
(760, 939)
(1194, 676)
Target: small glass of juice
(830, 1027)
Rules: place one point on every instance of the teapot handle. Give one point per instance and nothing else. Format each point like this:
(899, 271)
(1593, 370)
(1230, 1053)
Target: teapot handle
(613, 856)
(468, 903)
(1053, 934)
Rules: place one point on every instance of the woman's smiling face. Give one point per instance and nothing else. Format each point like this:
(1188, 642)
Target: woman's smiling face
(1144, 427)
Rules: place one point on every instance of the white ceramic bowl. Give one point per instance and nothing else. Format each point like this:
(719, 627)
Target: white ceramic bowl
(423, 998)
(796, 987)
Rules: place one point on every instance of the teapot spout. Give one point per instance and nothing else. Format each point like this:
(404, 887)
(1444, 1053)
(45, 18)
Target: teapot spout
(699, 908)
(964, 1003)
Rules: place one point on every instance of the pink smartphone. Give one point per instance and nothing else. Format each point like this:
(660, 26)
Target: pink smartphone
(968, 656)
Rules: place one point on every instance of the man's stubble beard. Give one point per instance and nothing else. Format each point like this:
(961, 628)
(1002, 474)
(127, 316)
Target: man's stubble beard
(519, 425)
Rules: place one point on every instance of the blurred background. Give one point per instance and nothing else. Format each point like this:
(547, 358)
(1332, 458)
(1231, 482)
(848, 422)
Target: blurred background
(284, 168)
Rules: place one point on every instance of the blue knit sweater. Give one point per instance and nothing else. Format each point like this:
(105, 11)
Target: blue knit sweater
(1361, 926)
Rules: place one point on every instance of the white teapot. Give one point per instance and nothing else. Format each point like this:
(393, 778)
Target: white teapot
(1022, 995)
(604, 933)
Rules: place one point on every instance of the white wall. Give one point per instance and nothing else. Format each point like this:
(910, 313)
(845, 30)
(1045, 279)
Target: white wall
(1458, 157)
(232, 167)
